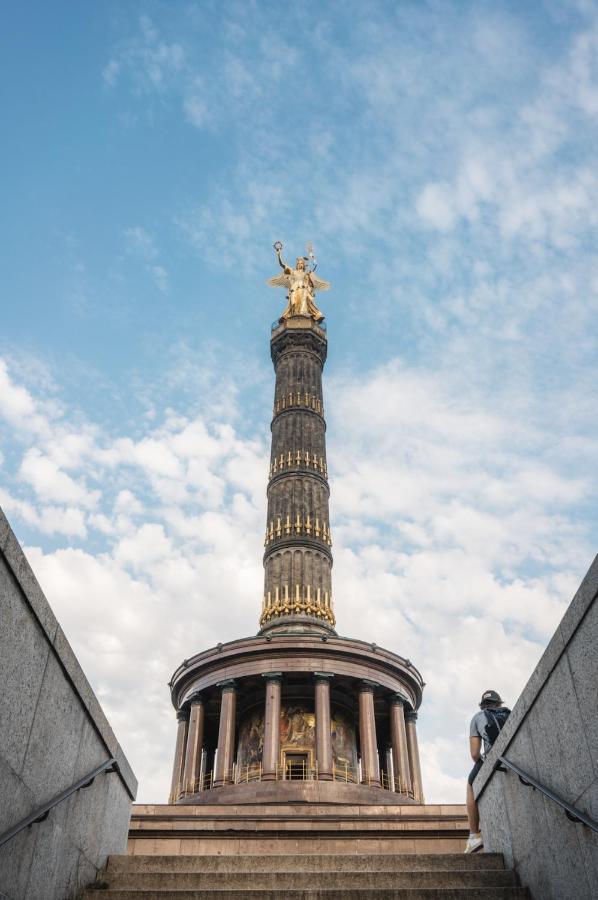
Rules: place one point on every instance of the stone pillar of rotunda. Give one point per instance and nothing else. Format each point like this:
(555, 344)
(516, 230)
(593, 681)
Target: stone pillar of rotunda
(271, 752)
(226, 733)
(398, 740)
(323, 729)
(370, 765)
(194, 746)
(178, 767)
(413, 752)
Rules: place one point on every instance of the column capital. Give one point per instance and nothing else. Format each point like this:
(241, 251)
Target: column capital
(369, 686)
(272, 676)
(195, 698)
(397, 699)
(182, 714)
(323, 676)
(411, 715)
(229, 685)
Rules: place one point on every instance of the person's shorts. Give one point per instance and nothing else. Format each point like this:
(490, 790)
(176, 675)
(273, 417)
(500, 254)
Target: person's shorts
(475, 770)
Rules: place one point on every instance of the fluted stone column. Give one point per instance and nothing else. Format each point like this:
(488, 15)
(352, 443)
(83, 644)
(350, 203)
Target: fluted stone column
(226, 733)
(398, 739)
(370, 766)
(413, 752)
(323, 729)
(192, 772)
(179, 754)
(271, 751)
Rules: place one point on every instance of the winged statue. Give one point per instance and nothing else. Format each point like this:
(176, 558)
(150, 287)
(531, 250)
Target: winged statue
(301, 283)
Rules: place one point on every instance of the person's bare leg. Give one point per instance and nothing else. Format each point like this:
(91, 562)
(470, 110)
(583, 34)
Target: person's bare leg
(472, 811)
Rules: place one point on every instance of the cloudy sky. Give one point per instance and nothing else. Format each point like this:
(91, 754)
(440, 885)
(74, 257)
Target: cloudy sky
(442, 158)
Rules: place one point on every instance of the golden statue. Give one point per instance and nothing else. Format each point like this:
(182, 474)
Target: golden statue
(301, 284)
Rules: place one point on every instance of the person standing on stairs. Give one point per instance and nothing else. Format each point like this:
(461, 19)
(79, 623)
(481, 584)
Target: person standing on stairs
(485, 727)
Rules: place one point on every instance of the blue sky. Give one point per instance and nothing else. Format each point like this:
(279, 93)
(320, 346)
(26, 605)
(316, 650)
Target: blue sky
(441, 156)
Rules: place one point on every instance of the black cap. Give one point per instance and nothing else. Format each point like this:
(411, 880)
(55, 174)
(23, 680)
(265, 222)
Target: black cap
(490, 697)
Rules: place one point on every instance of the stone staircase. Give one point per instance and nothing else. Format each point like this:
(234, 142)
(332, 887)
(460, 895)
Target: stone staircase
(479, 876)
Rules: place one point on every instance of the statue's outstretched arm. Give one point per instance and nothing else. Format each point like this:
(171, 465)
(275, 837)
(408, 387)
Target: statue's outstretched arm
(278, 249)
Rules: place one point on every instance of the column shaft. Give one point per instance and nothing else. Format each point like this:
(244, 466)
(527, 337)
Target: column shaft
(194, 746)
(226, 735)
(271, 752)
(179, 756)
(370, 767)
(398, 739)
(323, 729)
(413, 751)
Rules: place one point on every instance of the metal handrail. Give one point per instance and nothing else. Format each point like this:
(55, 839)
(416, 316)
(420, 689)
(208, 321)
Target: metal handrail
(572, 813)
(43, 812)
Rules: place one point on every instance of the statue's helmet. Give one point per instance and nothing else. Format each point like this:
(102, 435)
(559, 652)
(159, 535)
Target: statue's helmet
(300, 262)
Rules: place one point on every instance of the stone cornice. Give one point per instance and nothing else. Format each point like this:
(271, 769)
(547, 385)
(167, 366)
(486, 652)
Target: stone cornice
(299, 653)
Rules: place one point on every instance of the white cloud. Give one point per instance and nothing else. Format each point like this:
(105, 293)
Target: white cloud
(147, 545)
(50, 520)
(50, 483)
(17, 406)
(435, 206)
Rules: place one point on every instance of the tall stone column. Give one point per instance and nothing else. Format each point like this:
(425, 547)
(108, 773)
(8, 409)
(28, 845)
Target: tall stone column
(398, 740)
(370, 766)
(192, 772)
(226, 733)
(179, 755)
(413, 752)
(271, 753)
(298, 556)
(323, 729)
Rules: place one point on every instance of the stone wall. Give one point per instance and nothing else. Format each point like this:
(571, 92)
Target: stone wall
(552, 734)
(52, 733)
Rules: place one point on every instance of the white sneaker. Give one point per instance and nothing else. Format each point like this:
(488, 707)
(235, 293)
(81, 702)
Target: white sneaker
(474, 842)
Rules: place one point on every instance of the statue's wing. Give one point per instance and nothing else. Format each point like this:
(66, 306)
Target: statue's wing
(319, 283)
(279, 280)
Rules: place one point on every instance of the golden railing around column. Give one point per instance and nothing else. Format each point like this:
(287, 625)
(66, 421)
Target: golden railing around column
(296, 771)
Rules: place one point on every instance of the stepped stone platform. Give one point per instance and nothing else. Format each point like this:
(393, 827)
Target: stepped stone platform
(296, 828)
(302, 851)
(376, 876)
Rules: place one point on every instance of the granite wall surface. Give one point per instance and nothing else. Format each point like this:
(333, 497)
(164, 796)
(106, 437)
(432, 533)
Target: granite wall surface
(552, 734)
(52, 733)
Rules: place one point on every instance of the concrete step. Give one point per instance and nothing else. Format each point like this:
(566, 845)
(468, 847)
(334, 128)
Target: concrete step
(284, 881)
(474, 893)
(374, 862)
